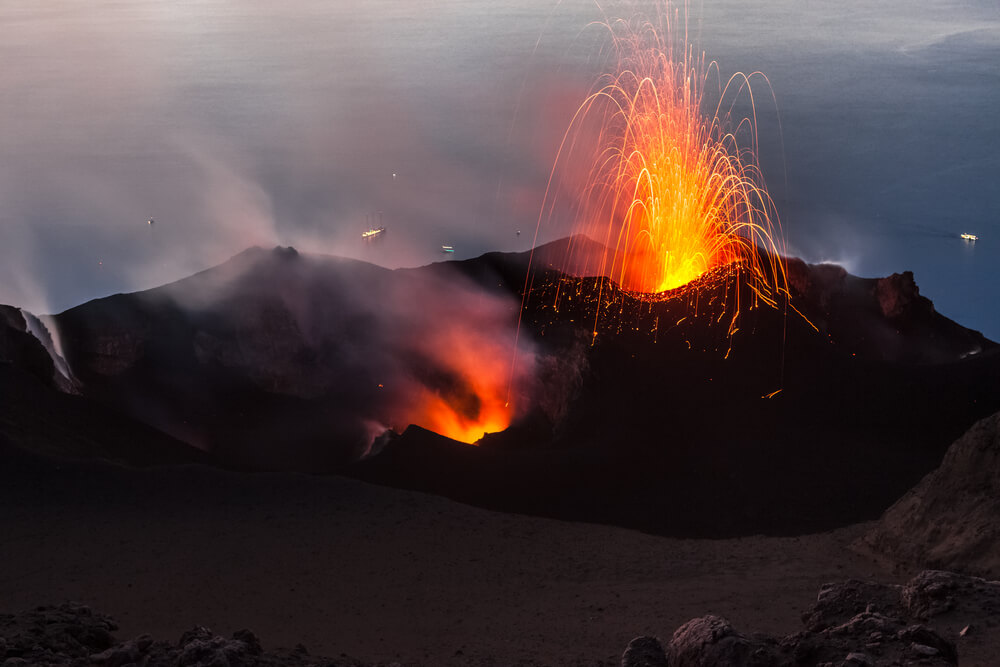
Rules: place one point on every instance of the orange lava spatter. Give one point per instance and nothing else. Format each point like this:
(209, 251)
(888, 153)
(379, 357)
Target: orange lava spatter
(670, 193)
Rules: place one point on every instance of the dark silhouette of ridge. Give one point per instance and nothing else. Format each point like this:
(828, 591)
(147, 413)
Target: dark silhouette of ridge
(818, 412)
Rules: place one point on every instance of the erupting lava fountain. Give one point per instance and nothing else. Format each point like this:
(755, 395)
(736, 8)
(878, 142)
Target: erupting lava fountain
(671, 193)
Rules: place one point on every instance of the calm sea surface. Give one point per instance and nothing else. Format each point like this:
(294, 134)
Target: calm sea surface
(304, 122)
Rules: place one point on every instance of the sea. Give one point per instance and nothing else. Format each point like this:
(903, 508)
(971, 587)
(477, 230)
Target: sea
(143, 140)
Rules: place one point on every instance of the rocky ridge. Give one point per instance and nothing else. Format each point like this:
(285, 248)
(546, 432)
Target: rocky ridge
(281, 361)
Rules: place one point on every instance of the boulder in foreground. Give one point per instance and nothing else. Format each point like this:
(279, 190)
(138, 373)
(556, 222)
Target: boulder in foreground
(927, 621)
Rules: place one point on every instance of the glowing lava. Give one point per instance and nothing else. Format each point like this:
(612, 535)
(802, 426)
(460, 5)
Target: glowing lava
(472, 405)
(670, 192)
(444, 418)
(463, 378)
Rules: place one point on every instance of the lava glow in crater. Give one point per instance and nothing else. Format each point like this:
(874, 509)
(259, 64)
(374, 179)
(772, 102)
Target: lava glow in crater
(465, 396)
(446, 419)
(671, 192)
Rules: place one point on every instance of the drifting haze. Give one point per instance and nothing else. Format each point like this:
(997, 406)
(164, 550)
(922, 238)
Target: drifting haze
(321, 354)
(258, 124)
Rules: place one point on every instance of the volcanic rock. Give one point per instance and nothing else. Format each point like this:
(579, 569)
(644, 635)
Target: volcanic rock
(74, 635)
(130, 652)
(644, 652)
(898, 294)
(851, 623)
(55, 634)
(951, 519)
(934, 593)
(838, 603)
(711, 640)
(880, 318)
(948, 601)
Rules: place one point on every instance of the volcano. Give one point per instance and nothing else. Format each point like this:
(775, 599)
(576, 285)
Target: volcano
(816, 413)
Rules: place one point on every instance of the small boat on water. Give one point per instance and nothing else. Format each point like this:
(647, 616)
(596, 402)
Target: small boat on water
(372, 233)
(969, 237)
(447, 249)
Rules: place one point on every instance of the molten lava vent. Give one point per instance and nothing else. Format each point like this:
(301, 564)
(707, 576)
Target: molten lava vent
(671, 186)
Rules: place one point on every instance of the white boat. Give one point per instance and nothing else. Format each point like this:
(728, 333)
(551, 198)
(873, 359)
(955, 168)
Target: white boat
(970, 237)
(372, 233)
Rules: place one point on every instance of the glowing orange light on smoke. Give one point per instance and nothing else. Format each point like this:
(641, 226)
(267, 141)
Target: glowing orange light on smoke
(442, 418)
(671, 191)
(472, 401)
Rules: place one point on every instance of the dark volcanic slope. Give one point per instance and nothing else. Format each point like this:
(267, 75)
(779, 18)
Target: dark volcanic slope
(260, 360)
(659, 422)
(668, 433)
(38, 417)
(951, 519)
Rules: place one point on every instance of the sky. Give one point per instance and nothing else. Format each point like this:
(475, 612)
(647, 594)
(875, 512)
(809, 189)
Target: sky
(303, 123)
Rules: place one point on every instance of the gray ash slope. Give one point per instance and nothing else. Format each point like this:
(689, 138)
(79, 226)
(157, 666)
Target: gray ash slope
(271, 361)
